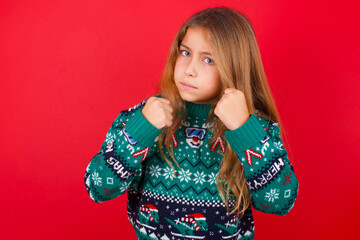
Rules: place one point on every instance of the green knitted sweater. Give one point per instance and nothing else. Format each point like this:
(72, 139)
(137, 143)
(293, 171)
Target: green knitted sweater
(166, 203)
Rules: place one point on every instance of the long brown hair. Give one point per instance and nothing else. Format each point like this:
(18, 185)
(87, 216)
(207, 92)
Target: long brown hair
(238, 60)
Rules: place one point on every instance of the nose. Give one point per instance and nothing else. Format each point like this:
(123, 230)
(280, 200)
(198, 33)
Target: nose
(190, 70)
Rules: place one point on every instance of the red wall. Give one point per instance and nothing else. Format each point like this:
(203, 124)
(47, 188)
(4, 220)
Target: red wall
(67, 69)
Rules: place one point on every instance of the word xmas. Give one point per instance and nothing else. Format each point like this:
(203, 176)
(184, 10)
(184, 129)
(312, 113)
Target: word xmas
(116, 165)
(260, 180)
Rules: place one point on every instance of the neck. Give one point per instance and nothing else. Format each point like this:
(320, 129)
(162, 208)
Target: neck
(197, 110)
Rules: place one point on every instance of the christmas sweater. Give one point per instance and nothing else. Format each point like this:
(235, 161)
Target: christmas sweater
(166, 203)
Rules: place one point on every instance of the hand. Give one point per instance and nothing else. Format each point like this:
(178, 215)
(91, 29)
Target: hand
(232, 109)
(158, 112)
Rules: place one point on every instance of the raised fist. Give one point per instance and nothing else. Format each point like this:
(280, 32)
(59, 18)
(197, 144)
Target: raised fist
(158, 112)
(232, 109)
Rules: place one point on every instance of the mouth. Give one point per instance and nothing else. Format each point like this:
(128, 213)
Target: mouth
(187, 86)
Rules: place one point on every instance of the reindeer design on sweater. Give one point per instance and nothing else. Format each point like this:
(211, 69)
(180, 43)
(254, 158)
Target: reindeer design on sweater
(189, 224)
(195, 135)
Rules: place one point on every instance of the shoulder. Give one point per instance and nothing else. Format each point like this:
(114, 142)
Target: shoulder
(138, 106)
(127, 114)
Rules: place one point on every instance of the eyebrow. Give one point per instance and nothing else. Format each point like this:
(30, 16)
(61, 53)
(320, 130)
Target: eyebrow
(207, 53)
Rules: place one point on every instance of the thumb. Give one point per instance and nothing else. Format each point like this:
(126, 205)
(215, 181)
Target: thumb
(164, 100)
(228, 90)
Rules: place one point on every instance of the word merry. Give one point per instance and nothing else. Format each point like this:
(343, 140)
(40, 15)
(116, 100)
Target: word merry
(265, 177)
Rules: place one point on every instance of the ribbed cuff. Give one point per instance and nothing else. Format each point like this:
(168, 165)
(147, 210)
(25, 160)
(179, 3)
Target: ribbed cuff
(245, 136)
(141, 130)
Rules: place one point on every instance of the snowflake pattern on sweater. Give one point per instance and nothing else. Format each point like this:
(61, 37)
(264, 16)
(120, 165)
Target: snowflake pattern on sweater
(166, 203)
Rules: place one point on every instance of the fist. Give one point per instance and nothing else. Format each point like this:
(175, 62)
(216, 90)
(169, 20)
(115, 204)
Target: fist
(232, 109)
(158, 112)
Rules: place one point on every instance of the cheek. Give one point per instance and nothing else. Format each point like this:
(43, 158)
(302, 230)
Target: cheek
(215, 81)
(177, 70)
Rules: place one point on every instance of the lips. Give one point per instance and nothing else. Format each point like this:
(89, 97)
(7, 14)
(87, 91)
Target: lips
(187, 85)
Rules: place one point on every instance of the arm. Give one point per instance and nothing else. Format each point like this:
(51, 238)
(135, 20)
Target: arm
(268, 172)
(130, 139)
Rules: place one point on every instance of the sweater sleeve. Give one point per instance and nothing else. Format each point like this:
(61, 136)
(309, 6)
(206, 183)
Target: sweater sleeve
(130, 139)
(268, 172)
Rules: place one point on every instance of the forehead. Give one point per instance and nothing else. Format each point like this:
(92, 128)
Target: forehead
(197, 39)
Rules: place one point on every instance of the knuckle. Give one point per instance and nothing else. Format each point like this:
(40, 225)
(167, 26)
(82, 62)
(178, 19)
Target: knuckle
(158, 103)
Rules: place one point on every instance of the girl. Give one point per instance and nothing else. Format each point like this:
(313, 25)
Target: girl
(195, 158)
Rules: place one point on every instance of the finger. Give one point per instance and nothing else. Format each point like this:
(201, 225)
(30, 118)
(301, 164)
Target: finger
(169, 116)
(168, 108)
(164, 100)
(229, 90)
(168, 123)
(216, 110)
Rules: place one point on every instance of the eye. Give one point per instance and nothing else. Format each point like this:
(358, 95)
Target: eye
(209, 61)
(184, 53)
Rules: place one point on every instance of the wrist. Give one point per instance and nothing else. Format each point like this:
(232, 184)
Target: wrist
(238, 123)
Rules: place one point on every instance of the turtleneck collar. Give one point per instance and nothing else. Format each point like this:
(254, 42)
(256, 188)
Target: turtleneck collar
(197, 110)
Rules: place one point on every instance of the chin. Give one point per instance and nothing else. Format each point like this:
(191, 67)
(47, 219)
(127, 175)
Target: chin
(187, 98)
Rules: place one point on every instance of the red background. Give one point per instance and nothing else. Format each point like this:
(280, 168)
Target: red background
(67, 69)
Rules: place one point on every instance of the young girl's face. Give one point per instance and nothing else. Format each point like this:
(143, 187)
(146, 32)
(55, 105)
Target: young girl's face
(196, 75)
